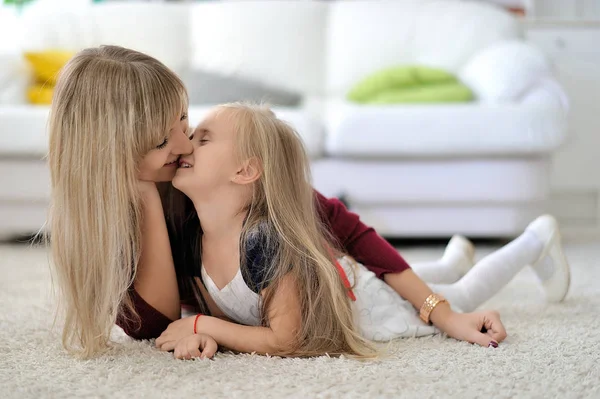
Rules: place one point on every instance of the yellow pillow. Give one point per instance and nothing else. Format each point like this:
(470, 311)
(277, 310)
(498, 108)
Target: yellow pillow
(47, 64)
(40, 94)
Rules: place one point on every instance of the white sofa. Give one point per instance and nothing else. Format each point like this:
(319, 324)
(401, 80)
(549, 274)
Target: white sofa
(481, 168)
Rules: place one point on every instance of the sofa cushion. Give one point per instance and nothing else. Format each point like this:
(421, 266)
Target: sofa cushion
(396, 78)
(505, 71)
(439, 93)
(443, 130)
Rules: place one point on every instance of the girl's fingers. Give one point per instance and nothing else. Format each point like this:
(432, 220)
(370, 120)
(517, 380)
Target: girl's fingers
(195, 352)
(208, 353)
(177, 353)
(210, 348)
(162, 339)
(168, 346)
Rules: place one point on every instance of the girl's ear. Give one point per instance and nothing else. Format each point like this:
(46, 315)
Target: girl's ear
(249, 172)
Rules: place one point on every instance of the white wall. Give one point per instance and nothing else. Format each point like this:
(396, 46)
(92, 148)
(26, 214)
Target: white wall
(574, 51)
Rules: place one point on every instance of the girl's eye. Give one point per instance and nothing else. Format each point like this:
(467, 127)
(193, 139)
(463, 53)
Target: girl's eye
(203, 141)
(163, 144)
(183, 117)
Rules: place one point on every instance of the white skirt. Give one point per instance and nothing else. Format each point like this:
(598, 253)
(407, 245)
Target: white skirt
(380, 313)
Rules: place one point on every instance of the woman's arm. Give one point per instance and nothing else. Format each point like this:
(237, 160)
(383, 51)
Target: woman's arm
(484, 328)
(284, 322)
(156, 281)
(358, 240)
(415, 291)
(366, 246)
(155, 294)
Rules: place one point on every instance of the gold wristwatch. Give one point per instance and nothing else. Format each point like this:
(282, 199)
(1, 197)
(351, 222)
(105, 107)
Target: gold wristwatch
(430, 303)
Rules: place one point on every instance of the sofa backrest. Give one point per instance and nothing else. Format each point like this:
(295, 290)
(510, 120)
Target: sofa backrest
(277, 42)
(160, 30)
(364, 36)
(314, 48)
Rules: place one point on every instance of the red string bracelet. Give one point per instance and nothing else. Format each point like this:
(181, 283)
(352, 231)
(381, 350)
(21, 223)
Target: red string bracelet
(196, 321)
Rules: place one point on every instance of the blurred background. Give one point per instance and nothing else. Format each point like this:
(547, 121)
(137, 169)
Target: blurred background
(427, 117)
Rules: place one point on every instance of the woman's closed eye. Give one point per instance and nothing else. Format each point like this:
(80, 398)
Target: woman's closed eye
(163, 144)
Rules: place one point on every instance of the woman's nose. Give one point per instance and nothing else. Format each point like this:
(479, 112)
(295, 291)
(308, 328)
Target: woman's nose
(182, 144)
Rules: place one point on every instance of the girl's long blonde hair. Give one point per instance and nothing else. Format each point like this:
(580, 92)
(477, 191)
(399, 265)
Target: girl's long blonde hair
(111, 106)
(284, 198)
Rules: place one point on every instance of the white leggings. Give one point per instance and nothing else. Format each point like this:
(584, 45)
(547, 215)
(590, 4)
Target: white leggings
(492, 273)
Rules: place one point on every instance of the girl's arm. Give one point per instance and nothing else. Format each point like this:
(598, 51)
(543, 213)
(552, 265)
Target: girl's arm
(284, 320)
(155, 295)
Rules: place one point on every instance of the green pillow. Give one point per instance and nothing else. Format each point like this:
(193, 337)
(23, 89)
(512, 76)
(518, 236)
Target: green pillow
(384, 86)
(438, 93)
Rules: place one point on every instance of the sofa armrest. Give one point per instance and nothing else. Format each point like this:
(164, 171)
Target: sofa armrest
(506, 72)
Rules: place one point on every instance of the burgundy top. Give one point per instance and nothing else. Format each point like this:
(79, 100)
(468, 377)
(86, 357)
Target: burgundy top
(358, 240)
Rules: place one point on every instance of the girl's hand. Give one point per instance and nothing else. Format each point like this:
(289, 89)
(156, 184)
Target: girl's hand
(176, 331)
(190, 346)
(483, 328)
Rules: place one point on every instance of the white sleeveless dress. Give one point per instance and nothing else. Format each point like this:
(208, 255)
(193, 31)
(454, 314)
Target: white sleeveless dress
(379, 312)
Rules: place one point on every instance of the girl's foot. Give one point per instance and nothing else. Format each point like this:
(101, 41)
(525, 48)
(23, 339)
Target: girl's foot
(552, 266)
(459, 254)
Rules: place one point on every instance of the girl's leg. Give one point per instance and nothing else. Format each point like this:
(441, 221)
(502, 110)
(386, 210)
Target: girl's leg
(539, 246)
(455, 263)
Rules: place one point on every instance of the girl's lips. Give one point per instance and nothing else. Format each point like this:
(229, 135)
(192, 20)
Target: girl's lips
(174, 163)
(184, 165)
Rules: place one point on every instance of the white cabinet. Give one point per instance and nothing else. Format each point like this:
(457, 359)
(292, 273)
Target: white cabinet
(574, 48)
(563, 10)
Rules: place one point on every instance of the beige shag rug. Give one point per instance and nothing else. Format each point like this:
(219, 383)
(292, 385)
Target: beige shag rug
(552, 351)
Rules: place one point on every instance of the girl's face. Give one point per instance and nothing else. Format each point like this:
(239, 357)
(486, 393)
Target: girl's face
(160, 164)
(213, 165)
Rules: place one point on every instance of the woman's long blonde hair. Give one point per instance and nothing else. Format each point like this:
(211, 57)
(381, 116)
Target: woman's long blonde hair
(111, 106)
(284, 200)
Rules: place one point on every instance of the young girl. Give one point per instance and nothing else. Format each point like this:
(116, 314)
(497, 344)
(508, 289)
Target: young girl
(118, 126)
(268, 263)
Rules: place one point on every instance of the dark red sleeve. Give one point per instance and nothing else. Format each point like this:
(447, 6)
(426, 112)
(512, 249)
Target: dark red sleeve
(151, 322)
(358, 240)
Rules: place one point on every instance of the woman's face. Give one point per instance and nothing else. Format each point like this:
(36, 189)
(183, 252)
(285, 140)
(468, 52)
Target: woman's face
(160, 164)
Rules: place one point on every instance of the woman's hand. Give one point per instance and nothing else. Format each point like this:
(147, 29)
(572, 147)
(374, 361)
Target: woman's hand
(196, 345)
(483, 328)
(176, 331)
(147, 187)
